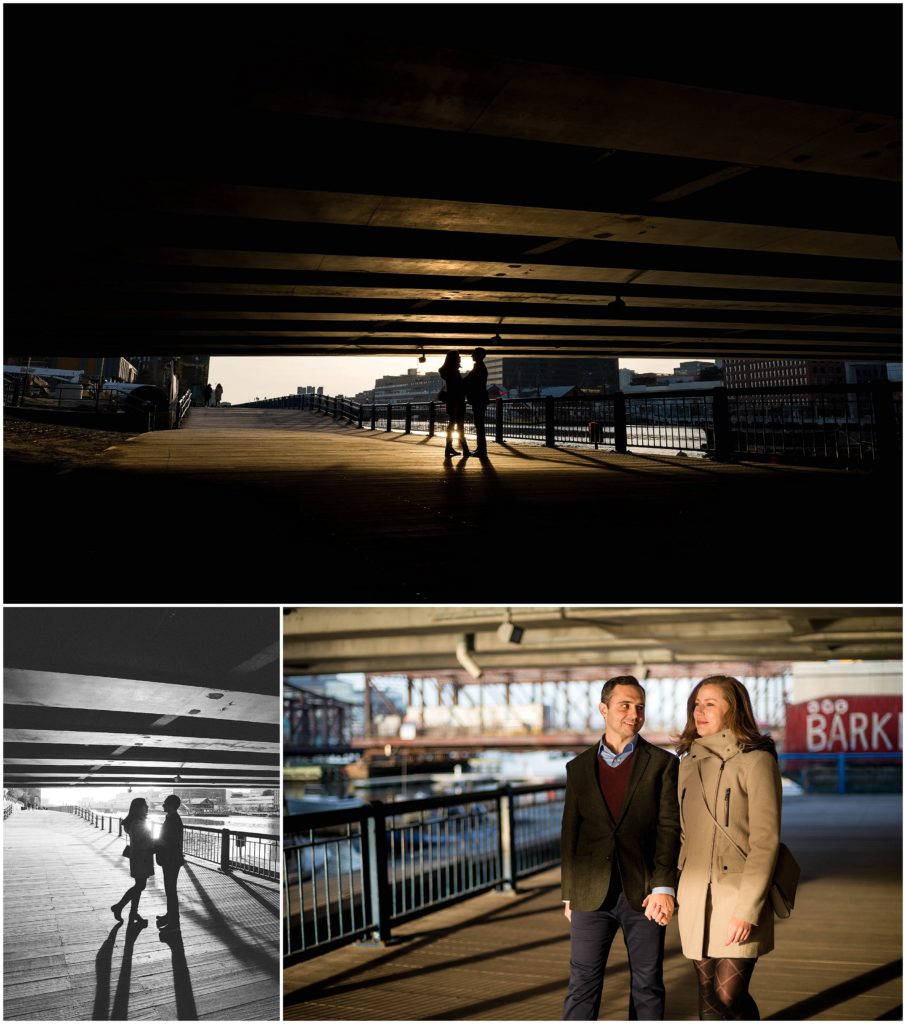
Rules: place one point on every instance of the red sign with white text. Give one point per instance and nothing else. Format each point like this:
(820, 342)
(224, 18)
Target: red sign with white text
(844, 725)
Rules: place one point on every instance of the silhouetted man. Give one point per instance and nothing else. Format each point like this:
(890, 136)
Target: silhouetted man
(170, 858)
(619, 848)
(477, 394)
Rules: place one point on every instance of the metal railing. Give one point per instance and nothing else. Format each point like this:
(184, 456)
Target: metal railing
(254, 853)
(354, 873)
(854, 424)
(182, 407)
(7, 810)
(797, 767)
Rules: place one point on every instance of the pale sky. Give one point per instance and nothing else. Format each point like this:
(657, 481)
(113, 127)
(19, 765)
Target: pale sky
(245, 378)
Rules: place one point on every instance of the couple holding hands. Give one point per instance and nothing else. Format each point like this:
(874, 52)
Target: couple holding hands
(636, 819)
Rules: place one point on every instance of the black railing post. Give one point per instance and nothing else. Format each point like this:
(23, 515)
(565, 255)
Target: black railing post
(389, 418)
(619, 423)
(408, 418)
(887, 450)
(498, 420)
(549, 423)
(361, 416)
(225, 849)
(432, 418)
(506, 840)
(377, 872)
(720, 412)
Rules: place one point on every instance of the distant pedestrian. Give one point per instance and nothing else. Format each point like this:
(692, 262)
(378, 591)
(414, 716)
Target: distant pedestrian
(141, 861)
(218, 393)
(454, 393)
(170, 858)
(476, 383)
(208, 393)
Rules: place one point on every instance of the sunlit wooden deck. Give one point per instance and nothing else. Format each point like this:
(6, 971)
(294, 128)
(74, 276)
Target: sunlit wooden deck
(839, 957)
(66, 958)
(299, 494)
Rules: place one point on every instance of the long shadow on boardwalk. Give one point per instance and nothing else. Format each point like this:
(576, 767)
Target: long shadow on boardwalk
(300, 496)
(102, 967)
(182, 980)
(64, 961)
(507, 958)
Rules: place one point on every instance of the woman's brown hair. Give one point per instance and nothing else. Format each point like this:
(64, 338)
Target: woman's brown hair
(740, 718)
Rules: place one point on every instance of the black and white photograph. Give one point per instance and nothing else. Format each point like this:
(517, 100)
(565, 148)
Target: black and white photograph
(141, 832)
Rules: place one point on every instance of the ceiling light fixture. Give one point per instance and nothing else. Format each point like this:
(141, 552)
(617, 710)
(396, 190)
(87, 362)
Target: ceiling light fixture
(422, 357)
(617, 306)
(508, 632)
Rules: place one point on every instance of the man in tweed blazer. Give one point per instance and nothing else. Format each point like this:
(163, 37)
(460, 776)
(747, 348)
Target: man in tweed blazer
(619, 846)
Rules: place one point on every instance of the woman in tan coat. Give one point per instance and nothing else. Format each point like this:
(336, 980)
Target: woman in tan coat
(141, 861)
(729, 792)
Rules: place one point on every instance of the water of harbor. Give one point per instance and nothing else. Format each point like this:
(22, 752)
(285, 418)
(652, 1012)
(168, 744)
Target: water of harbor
(268, 825)
(493, 769)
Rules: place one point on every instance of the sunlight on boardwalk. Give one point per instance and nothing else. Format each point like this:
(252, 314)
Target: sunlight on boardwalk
(507, 958)
(303, 493)
(65, 957)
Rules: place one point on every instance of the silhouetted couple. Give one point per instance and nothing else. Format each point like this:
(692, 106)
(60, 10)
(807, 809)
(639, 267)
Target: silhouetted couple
(142, 848)
(457, 389)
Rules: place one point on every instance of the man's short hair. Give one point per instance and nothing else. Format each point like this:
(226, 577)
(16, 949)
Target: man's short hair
(611, 684)
(172, 801)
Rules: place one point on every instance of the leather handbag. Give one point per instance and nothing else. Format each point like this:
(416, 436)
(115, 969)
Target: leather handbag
(785, 879)
(784, 882)
(126, 850)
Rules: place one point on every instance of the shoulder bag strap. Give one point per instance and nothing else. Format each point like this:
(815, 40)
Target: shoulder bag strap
(742, 852)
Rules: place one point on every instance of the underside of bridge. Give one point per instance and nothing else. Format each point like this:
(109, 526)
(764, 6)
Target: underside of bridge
(141, 697)
(375, 640)
(346, 179)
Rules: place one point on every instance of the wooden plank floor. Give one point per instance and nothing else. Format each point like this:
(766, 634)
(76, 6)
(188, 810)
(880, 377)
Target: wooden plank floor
(839, 957)
(309, 506)
(66, 958)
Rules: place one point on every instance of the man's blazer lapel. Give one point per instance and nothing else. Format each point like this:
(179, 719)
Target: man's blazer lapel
(591, 780)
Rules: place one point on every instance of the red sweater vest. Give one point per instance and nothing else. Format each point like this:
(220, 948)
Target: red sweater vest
(613, 782)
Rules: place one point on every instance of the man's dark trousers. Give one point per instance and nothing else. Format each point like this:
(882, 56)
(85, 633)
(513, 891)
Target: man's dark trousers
(591, 935)
(171, 873)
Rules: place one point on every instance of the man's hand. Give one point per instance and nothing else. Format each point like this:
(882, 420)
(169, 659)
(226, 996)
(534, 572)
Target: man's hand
(659, 907)
(738, 930)
(567, 912)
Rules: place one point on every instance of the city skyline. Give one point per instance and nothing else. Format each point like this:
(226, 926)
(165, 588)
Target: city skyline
(245, 378)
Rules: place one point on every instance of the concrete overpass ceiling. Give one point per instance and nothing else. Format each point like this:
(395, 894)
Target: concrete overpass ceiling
(302, 185)
(141, 696)
(385, 640)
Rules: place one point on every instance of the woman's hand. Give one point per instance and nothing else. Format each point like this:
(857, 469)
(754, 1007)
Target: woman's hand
(738, 931)
(567, 910)
(659, 907)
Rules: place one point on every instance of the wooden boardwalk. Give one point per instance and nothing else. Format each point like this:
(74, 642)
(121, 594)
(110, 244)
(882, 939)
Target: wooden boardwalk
(66, 958)
(319, 510)
(839, 957)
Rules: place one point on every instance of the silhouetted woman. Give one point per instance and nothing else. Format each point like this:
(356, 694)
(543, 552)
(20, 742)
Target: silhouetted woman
(729, 793)
(141, 860)
(456, 403)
